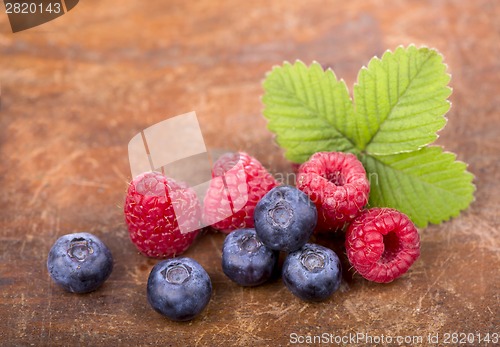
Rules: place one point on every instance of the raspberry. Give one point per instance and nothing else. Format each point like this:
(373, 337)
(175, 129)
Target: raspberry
(382, 244)
(162, 215)
(239, 181)
(337, 184)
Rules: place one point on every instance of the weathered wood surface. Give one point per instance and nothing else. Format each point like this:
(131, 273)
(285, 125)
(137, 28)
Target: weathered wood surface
(75, 90)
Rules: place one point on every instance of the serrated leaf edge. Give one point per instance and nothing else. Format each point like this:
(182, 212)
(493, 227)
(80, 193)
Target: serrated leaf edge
(299, 61)
(471, 182)
(388, 51)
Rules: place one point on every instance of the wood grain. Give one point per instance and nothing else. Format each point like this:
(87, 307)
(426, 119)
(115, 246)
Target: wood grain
(75, 91)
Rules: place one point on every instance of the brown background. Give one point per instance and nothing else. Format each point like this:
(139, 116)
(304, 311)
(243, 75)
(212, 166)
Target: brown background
(75, 91)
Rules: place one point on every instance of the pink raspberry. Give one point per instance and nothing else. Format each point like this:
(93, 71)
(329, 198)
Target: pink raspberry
(336, 182)
(382, 244)
(163, 216)
(238, 183)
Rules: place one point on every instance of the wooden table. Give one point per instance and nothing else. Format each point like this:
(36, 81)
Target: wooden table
(75, 91)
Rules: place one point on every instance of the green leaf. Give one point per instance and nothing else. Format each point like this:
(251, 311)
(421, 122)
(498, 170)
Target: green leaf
(428, 185)
(309, 110)
(399, 105)
(401, 101)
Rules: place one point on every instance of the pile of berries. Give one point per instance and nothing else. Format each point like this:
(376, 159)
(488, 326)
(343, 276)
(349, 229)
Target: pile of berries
(262, 219)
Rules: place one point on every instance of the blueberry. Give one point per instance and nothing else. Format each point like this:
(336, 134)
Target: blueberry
(312, 273)
(245, 259)
(285, 218)
(179, 288)
(79, 262)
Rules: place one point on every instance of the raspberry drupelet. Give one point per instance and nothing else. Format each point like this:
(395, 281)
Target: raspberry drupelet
(239, 181)
(336, 182)
(382, 244)
(162, 215)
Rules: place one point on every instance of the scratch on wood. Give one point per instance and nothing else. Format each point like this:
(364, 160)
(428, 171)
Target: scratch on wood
(216, 246)
(351, 309)
(279, 292)
(303, 308)
(278, 311)
(120, 174)
(441, 274)
(92, 184)
(48, 312)
(50, 174)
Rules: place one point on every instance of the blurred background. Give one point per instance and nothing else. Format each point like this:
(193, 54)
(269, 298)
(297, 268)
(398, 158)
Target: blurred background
(75, 90)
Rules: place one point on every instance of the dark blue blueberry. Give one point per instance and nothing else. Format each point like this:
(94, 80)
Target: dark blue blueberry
(285, 218)
(312, 273)
(179, 288)
(79, 262)
(246, 260)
